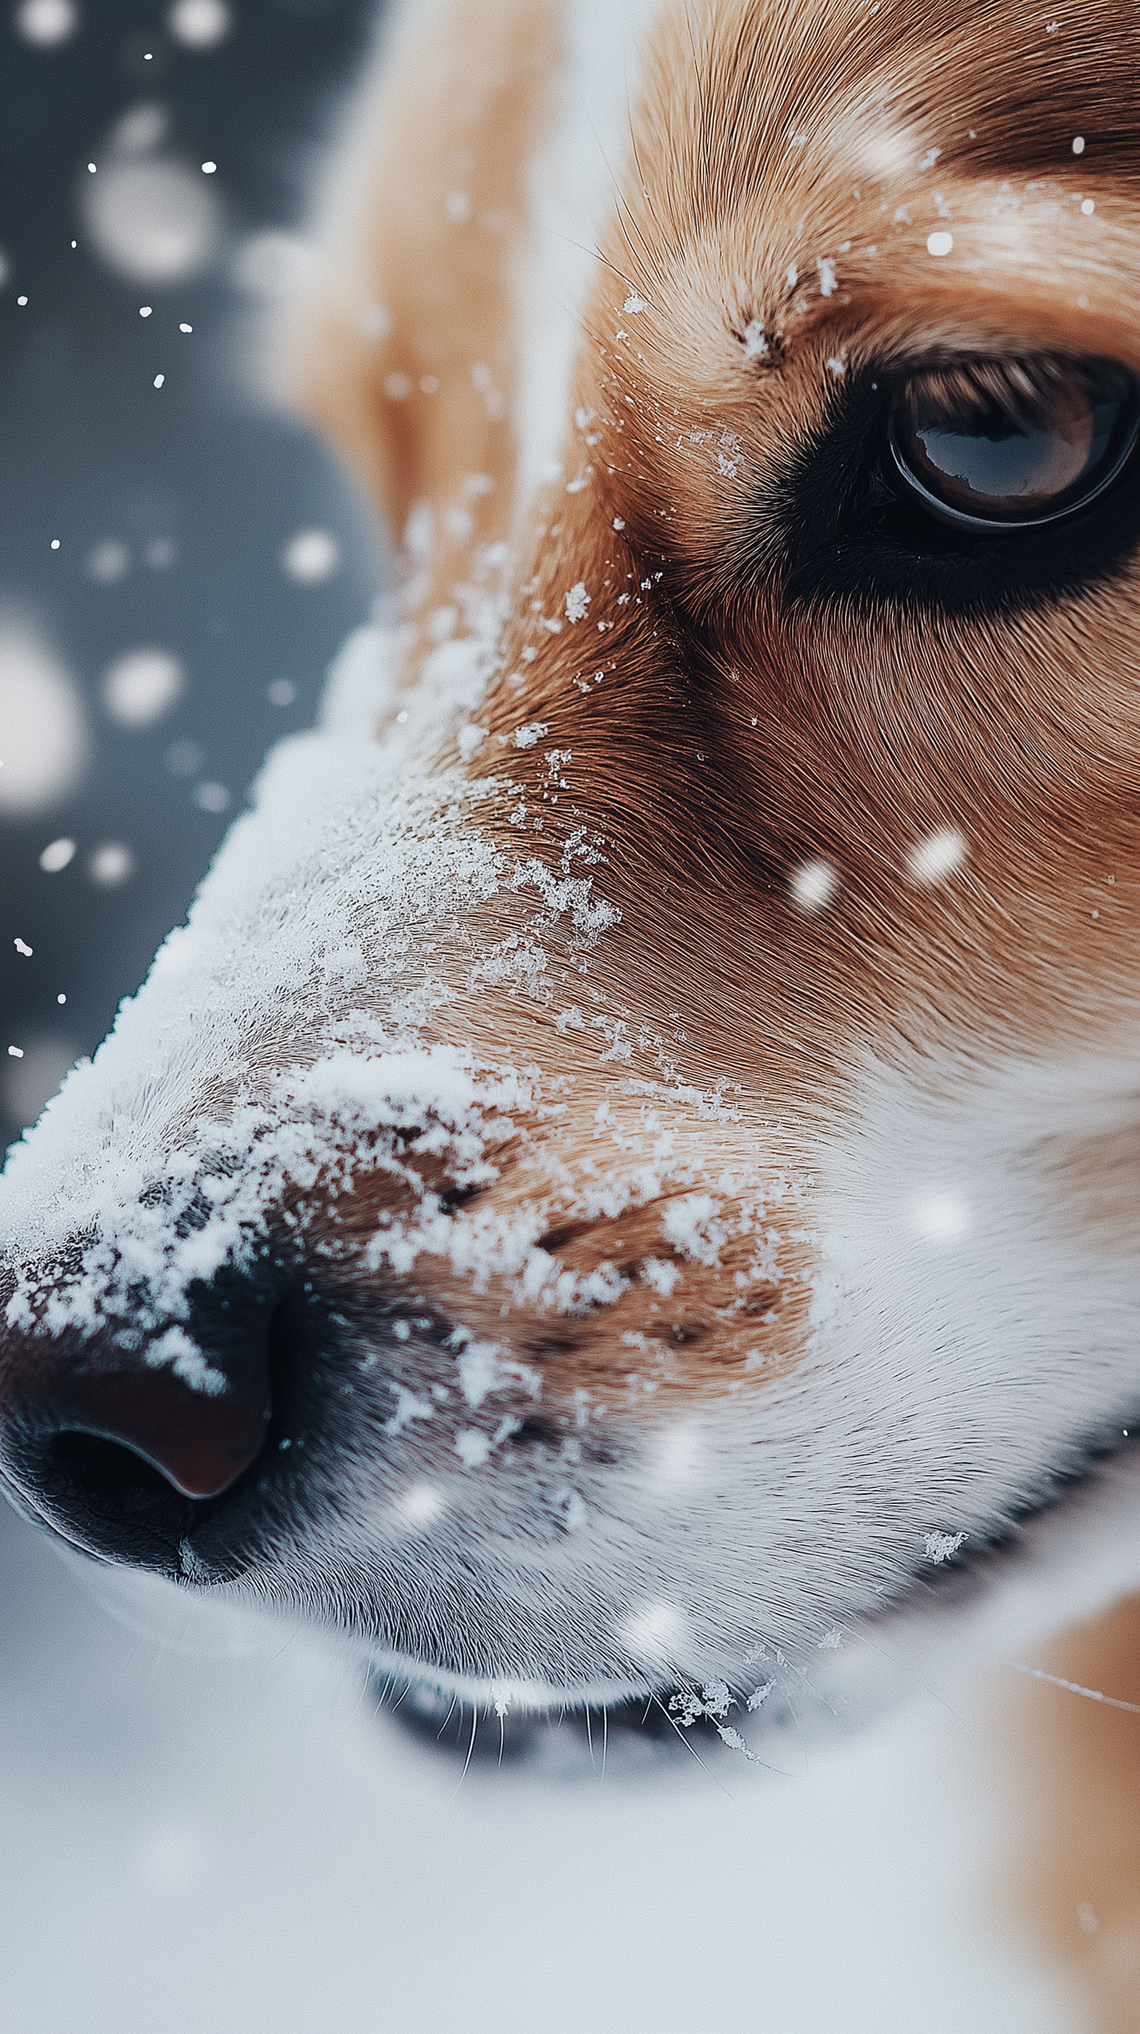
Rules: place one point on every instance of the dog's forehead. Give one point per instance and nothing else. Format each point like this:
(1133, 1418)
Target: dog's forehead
(1002, 89)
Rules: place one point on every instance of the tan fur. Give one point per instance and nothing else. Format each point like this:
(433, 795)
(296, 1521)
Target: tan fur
(716, 735)
(1075, 1771)
(406, 353)
(716, 727)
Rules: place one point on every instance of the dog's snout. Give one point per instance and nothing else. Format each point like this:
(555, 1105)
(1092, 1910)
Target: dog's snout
(117, 1438)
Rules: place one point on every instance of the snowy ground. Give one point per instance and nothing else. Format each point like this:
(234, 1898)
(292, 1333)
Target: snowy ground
(210, 1831)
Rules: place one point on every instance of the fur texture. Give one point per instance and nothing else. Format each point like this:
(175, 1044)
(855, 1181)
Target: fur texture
(678, 1085)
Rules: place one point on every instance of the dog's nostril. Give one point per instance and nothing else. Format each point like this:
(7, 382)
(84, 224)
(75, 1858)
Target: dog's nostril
(117, 1448)
(200, 1441)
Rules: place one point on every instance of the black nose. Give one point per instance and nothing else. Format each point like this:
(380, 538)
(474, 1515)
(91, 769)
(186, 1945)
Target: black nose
(119, 1439)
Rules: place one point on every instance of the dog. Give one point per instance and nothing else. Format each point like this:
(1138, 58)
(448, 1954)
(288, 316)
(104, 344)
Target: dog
(627, 1179)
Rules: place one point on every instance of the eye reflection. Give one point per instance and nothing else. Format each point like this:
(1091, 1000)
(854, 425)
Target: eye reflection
(1007, 444)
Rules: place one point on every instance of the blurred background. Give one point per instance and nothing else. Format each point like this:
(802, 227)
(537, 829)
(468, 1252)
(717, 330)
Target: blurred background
(206, 1826)
(177, 562)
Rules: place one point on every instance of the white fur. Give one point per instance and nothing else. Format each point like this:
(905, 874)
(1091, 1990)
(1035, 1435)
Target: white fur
(572, 182)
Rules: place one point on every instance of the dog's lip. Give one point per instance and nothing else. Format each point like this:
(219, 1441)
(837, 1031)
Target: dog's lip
(987, 1554)
(528, 1694)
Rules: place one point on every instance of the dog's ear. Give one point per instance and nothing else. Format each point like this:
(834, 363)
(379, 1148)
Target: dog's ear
(403, 346)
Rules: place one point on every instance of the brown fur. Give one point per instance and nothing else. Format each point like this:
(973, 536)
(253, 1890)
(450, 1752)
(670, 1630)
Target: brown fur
(719, 716)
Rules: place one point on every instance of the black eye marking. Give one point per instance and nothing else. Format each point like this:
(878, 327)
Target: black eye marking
(1004, 445)
(975, 485)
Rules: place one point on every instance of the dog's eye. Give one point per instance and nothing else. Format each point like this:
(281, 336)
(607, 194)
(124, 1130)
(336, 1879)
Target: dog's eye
(1003, 445)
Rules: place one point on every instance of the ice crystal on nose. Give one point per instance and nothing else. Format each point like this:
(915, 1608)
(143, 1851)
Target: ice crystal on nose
(184, 1357)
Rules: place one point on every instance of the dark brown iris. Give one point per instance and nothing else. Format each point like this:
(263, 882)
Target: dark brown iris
(1001, 444)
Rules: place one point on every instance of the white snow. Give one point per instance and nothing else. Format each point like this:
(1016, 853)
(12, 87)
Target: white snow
(206, 1828)
(142, 685)
(44, 739)
(183, 1356)
(310, 557)
(939, 855)
(813, 885)
(939, 1547)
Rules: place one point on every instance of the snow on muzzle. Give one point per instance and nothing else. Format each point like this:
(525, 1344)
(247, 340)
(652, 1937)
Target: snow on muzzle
(173, 1378)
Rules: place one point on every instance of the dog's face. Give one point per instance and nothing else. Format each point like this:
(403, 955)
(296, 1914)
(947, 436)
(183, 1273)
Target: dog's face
(632, 1170)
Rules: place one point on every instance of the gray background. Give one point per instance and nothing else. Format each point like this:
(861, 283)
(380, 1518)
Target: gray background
(92, 454)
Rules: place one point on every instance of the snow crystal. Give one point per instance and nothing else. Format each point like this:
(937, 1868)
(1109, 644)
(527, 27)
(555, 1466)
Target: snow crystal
(111, 864)
(176, 1350)
(939, 855)
(755, 344)
(813, 885)
(939, 1547)
(200, 24)
(310, 557)
(211, 797)
(940, 244)
(148, 217)
(577, 602)
(480, 1370)
(46, 23)
(140, 687)
(941, 1217)
(41, 713)
(108, 562)
(57, 855)
(408, 1407)
(690, 1226)
(633, 303)
(735, 1742)
(472, 1447)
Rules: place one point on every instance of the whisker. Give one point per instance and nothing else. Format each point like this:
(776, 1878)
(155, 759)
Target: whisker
(689, 1747)
(1073, 1687)
(470, 1747)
